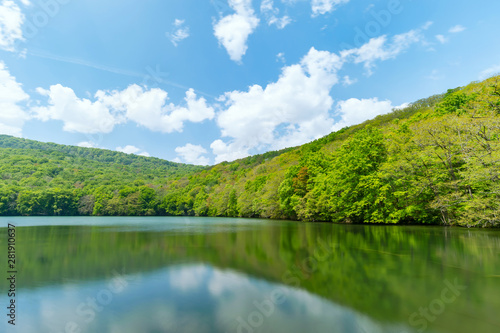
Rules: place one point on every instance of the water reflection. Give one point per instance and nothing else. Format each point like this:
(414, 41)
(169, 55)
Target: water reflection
(201, 275)
(187, 298)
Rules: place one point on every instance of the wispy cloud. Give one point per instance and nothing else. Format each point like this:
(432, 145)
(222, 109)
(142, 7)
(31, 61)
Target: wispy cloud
(114, 70)
(489, 72)
(347, 81)
(271, 13)
(76, 61)
(179, 33)
(320, 7)
(456, 29)
(382, 48)
(442, 39)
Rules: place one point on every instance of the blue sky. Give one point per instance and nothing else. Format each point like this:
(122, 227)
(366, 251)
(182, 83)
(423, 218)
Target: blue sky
(203, 81)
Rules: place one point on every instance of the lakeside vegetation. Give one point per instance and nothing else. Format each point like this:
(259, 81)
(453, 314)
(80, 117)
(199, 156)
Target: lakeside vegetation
(435, 162)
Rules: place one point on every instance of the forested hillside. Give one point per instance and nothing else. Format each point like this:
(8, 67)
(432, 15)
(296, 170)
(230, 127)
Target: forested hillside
(50, 179)
(434, 162)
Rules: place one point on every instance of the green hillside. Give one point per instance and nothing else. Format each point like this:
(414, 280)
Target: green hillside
(434, 162)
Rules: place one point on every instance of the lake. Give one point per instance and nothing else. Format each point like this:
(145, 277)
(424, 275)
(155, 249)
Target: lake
(185, 274)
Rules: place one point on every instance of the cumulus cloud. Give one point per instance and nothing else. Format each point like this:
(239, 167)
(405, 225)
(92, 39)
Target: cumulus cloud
(12, 115)
(271, 13)
(456, 29)
(11, 21)
(192, 154)
(299, 100)
(179, 33)
(147, 108)
(78, 114)
(129, 149)
(298, 107)
(87, 144)
(228, 152)
(320, 7)
(354, 111)
(232, 31)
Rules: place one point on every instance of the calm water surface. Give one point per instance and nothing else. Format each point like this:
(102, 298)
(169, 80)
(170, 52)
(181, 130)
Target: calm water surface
(209, 275)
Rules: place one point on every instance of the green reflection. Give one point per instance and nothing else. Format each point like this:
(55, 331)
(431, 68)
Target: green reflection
(385, 272)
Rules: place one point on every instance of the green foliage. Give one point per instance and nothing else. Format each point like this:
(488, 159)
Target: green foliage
(435, 161)
(454, 101)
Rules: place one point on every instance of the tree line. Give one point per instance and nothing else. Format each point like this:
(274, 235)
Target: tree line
(434, 162)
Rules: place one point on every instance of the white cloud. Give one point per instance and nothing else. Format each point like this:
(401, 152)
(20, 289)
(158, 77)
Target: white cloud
(232, 31)
(354, 111)
(299, 101)
(87, 144)
(11, 21)
(347, 81)
(402, 106)
(192, 154)
(280, 22)
(320, 7)
(489, 72)
(271, 13)
(228, 152)
(442, 39)
(147, 108)
(128, 149)
(12, 115)
(281, 57)
(453, 30)
(78, 114)
(297, 107)
(457, 29)
(180, 32)
(381, 49)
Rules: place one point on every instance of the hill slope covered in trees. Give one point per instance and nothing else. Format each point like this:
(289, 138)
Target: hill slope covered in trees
(435, 162)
